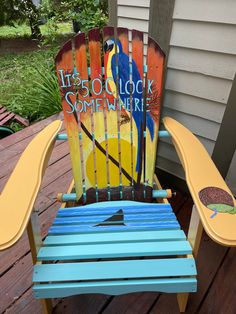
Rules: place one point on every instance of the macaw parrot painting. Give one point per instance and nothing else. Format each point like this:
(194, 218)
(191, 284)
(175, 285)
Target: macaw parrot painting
(111, 103)
(120, 61)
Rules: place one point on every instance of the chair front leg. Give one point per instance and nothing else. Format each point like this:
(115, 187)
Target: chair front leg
(194, 238)
(35, 241)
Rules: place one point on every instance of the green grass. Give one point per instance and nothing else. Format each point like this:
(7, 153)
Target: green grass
(27, 78)
(23, 30)
(28, 84)
(17, 70)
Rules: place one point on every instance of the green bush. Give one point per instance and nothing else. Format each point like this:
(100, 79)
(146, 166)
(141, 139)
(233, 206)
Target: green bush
(87, 13)
(29, 84)
(39, 98)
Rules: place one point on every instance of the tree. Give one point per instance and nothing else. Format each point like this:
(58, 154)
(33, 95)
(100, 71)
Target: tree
(20, 11)
(85, 13)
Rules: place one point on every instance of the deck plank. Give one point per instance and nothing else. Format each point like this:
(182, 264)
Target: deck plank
(215, 263)
(222, 290)
(208, 261)
(27, 132)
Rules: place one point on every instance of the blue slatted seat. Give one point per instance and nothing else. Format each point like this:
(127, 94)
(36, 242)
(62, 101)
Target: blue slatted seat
(114, 230)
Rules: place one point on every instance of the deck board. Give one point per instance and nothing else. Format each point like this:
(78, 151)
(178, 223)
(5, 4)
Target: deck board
(215, 263)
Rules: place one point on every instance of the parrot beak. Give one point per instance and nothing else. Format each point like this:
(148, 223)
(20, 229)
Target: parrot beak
(108, 46)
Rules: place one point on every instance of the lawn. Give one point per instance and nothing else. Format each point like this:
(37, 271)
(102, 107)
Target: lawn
(23, 75)
(18, 69)
(24, 30)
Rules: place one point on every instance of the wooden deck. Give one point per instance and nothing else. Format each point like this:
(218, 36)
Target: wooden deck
(216, 264)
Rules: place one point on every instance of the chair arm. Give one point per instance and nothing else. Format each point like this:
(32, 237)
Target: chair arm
(213, 199)
(20, 192)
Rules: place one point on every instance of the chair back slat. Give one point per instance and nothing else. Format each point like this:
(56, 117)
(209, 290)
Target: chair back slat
(65, 69)
(111, 103)
(112, 171)
(83, 104)
(154, 82)
(98, 127)
(137, 99)
(123, 118)
(111, 112)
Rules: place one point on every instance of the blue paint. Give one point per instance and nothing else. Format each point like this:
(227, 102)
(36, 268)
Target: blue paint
(95, 219)
(114, 250)
(115, 237)
(214, 214)
(155, 194)
(114, 270)
(103, 210)
(172, 225)
(145, 68)
(136, 216)
(62, 137)
(123, 66)
(161, 134)
(169, 285)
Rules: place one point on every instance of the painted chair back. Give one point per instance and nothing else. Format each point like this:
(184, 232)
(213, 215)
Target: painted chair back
(111, 101)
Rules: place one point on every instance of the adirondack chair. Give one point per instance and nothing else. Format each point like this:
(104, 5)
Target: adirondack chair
(115, 209)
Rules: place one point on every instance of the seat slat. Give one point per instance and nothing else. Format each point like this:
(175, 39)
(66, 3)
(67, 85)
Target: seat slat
(123, 204)
(84, 210)
(132, 226)
(127, 219)
(114, 250)
(115, 237)
(170, 285)
(114, 270)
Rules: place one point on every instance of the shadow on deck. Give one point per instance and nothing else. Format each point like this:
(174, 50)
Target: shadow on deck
(215, 263)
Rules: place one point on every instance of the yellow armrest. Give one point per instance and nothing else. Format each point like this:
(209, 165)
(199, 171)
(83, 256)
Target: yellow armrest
(212, 197)
(19, 194)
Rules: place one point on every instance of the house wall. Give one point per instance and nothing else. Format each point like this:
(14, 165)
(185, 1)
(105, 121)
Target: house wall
(134, 15)
(200, 67)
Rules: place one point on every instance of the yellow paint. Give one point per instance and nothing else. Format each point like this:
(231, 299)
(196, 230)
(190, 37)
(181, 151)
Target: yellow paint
(20, 192)
(200, 173)
(114, 170)
(182, 299)
(75, 157)
(111, 83)
(151, 155)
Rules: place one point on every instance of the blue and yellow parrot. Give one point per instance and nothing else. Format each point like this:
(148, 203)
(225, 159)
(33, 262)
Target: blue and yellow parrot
(116, 55)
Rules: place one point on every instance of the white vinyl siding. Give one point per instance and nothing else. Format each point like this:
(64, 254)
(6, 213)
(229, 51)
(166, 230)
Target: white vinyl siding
(200, 69)
(231, 177)
(134, 3)
(133, 14)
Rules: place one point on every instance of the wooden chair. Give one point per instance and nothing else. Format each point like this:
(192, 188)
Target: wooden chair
(115, 232)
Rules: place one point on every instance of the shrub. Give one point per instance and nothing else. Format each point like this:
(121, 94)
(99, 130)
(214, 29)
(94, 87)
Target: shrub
(39, 98)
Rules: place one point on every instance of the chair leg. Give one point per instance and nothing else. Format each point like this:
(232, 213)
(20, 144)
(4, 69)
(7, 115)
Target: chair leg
(35, 241)
(194, 238)
(47, 306)
(182, 299)
(195, 231)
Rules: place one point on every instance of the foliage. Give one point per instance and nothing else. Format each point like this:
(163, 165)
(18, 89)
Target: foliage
(28, 81)
(87, 13)
(41, 97)
(15, 126)
(21, 11)
(29, 85)
(23, 30)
